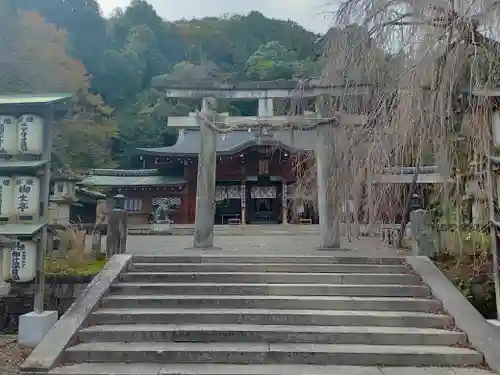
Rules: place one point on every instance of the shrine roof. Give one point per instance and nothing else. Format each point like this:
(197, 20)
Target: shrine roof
(124, 177)
(24, 230)
(23, 99)
(20, 164)
(57, 174)
(188, 143)
(89, 192)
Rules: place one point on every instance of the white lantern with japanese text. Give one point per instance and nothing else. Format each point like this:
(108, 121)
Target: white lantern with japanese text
(26, 195)
(5, 264)
(23, 261)
(30, 134)
(8, 134)
(6, 196)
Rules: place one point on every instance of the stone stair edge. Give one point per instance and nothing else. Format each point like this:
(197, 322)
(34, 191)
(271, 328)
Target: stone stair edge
(228, 369)
(266, 297)
(198, 311)
(258, 347)
(191, 284)
(271, 302)
(267, 353)
(225, 333)
(131, 272)
(272, 277)
(263, 259)
(138, 260)
(264, 327)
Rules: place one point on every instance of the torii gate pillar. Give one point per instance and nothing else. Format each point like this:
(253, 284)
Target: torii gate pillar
(205, 189)
(328, 202)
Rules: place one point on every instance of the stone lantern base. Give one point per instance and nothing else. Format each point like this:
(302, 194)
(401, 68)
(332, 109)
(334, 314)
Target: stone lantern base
(34, 326)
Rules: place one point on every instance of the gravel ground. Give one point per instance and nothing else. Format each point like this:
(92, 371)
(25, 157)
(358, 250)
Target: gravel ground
(11, 355)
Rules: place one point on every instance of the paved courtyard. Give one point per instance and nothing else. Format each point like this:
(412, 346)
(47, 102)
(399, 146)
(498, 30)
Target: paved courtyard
(256, 244)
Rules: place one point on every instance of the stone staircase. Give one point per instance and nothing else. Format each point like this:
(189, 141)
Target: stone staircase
(264, 315)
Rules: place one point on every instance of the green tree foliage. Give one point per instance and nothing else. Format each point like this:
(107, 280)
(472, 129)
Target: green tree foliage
(144, 125)
(34, 57)
(35, 60)
(81, 19)
(270, 62)
(122, 54)
(356, 59)
(83, 139)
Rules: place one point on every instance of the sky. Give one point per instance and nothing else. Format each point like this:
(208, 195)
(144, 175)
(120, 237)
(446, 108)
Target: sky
(314, 15)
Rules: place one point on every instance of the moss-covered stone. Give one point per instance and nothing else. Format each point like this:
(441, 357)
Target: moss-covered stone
(84, 267)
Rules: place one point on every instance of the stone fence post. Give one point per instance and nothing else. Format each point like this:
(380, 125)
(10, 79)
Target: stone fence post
(97, 233)
(422, 233)
(116, 241)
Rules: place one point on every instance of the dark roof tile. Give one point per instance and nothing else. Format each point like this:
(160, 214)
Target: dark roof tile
(189, 142)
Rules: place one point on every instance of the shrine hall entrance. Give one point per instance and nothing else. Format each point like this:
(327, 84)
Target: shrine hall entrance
(264, 201)
(262, 211)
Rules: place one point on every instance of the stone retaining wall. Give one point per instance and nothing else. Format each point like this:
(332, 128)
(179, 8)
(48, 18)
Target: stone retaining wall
(60, 293)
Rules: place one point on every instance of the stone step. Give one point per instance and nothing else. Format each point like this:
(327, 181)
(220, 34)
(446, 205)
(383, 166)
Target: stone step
(272, 289)
(269, 267)
(268, 259)
(270, 334)
(266, 316)
(220, 369)
(264, 353)
(271, 278)
(273, 302)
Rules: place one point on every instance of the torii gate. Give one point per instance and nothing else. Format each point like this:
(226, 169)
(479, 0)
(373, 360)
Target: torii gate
(211, 123)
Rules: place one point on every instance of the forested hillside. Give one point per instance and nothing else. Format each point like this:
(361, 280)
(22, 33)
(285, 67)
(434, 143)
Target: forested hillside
(66, 45)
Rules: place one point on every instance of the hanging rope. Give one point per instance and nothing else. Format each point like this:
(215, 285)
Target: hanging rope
(263, 125)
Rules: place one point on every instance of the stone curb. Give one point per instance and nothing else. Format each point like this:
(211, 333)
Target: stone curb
(48, 352)
(483, 336)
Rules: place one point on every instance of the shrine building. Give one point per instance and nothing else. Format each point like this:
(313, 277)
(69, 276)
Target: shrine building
(256, 161)
(254, 169)
(259, 159)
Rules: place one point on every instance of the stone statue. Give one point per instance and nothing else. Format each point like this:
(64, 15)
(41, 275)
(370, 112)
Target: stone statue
(161, 220)
(162, 212)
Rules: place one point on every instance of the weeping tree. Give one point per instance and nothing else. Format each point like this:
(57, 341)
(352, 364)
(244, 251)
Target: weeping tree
(410, 66)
